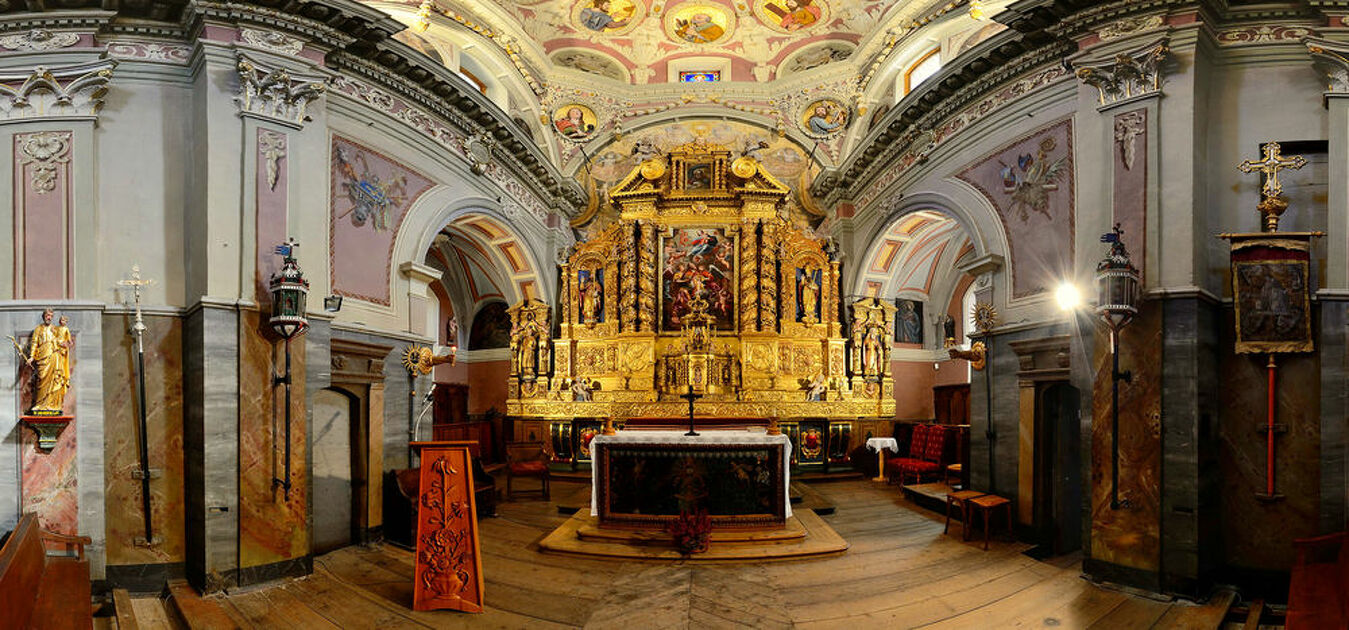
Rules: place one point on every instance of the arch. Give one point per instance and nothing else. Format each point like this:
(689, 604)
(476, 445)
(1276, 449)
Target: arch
(977, 219)
(490, 324)
(442, 206)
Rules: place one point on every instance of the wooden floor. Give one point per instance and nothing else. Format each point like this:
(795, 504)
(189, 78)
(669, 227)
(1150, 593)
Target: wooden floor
(900, 572)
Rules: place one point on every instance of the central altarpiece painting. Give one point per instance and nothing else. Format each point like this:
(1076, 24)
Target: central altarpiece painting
(700, 233)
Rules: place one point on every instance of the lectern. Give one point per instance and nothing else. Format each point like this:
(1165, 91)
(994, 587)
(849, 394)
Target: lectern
(448, 572)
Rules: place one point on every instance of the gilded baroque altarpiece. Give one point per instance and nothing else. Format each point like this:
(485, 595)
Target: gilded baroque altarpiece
(700, 223)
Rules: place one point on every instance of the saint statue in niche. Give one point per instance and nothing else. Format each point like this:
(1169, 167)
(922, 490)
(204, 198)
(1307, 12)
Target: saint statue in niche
(591, 291)
(872, 349)
(49, 357)
(808, 281)
(527, 360)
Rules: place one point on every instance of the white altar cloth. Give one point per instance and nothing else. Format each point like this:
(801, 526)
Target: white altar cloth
(707, 436)
(879, 444)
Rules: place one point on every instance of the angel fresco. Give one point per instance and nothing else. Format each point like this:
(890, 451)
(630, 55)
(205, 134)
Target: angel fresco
(1032, 178)
(371, 197)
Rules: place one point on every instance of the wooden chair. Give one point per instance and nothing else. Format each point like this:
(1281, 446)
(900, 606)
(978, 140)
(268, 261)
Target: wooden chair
(1318, 593)
(526, 459)
(38, 590)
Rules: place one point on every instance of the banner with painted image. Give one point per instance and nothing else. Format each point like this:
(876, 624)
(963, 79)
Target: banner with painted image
(1272, 298)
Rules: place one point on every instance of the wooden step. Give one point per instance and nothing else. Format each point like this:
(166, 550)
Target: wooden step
(121, 604)
(195, 611)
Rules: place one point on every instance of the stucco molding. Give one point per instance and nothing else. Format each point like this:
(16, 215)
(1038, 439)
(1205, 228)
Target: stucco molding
(39, 40)
(70, 92)
(1331, 59)
(277, 94)
(1127, 76)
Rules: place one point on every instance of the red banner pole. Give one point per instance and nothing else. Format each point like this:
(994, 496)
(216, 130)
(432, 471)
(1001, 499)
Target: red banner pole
(1269, 427)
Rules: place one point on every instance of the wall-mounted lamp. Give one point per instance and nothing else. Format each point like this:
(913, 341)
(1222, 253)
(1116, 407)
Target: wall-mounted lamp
(290, 291)
(1117, 285)
(332, 303)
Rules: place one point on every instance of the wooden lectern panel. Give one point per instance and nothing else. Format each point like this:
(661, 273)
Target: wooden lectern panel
(449, 568)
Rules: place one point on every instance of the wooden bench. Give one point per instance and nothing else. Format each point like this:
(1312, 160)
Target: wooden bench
(1318, 593)
(42, 591)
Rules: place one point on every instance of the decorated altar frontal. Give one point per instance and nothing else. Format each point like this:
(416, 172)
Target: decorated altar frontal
(644, 479)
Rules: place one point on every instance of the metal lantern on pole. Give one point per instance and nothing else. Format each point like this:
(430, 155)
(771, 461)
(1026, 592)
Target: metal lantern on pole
(1117, 287)
(290, 291)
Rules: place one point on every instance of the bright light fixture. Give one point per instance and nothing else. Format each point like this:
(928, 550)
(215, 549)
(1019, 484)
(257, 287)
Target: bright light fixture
(1068, 296)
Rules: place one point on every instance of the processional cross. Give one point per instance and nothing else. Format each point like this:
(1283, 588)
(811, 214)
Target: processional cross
(144, 473)
(1273, 203)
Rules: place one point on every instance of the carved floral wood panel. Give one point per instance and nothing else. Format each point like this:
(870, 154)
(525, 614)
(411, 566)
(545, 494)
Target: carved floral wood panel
(449, 569)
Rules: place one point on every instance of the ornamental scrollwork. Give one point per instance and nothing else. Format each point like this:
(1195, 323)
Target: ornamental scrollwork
(39, 39)
(44, 151)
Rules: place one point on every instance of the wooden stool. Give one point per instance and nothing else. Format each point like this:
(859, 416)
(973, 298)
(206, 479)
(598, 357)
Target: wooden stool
(954, 471)
(961, 501)
(987, 504)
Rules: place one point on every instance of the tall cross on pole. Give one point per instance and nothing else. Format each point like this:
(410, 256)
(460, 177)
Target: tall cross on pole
(1273, 203)
(138, 329)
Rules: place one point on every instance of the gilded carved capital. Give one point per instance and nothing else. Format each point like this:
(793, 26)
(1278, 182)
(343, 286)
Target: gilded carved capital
(277, 94)
(1126, 75)
(68, 92)
(1331, 59)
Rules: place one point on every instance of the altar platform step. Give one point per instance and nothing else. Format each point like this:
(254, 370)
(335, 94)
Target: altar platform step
(817, 539)
(931, 496)
(792, 531)
(573, 499)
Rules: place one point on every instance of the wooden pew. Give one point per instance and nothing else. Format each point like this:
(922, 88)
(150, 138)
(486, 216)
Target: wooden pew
(1318, 593)
(41, 591)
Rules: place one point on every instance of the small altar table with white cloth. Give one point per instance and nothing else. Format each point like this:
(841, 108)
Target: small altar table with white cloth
(881, 445)
(645, 479)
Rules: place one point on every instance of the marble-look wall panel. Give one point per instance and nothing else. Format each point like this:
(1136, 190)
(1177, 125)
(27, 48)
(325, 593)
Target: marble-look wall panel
(1128, 536)
(272, 527)
(211, 445)
(1334, 353)
(1259, 534)
(50, 480)
(164, 424)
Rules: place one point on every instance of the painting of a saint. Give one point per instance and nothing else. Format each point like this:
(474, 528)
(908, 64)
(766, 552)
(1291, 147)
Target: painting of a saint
(808, 283)
(697, 176)
(825, 117)
(607, 16)
(908, 321)
(698, 23)
(491, 328)
(697, 262)
(574, 122)
(792, 15)
(1272, 305)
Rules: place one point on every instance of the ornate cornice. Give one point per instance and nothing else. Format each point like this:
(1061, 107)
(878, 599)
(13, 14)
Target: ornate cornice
(52, 93)
(277, 94)
(1127, 75)
(39, 40)
(1331, 59)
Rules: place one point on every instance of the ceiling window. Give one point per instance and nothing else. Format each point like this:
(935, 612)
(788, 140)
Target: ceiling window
(921, 70)
(702, 76)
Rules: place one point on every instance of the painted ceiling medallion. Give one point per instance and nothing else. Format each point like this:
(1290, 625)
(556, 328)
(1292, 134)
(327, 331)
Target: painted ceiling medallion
(790, 16)
(824, 118)
(608, 17)
(699, 22)
(574, 121)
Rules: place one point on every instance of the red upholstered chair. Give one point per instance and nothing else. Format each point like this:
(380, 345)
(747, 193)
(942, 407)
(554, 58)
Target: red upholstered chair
(926, 453)
(526, 459)
(1318, 593)
(895, 466)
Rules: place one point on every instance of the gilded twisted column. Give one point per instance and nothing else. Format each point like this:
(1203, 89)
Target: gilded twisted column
(749, 301)
(768, 280)
(628, 267)
(646, 291)
(568, 314)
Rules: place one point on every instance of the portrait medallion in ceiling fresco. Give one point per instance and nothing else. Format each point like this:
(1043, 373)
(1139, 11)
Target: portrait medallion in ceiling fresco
(790, 16)
(699, 23)
(824, 118)
(575, 122)
(608, 17)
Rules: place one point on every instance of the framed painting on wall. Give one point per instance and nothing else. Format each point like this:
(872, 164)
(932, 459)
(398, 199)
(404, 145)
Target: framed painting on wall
(697, 261)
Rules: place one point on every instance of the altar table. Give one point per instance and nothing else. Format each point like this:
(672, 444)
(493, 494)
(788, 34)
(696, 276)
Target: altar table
(643, 479)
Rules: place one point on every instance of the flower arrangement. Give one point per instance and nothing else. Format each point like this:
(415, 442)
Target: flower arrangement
(691, 531)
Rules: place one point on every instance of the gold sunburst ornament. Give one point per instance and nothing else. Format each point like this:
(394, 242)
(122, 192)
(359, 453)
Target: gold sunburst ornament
(985, 317)
(421, 360)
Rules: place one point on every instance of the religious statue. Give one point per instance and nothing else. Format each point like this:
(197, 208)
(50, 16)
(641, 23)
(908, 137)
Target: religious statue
(527, 360)
(49, 357)
(815, 388)
(872, 351)
(591, 293)
(581, 389)
(810, 297)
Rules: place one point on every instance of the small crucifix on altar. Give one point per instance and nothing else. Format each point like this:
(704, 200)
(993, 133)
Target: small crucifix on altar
(1271, 289)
